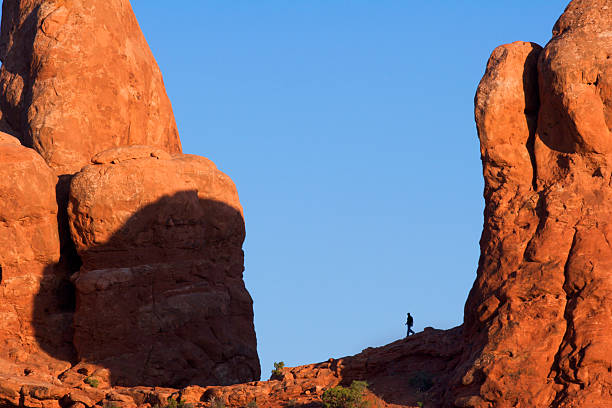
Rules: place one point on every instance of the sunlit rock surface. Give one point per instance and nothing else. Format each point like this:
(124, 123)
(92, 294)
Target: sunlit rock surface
(78, 77)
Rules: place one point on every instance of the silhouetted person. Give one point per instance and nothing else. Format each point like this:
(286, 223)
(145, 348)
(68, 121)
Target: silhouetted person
(409, 323)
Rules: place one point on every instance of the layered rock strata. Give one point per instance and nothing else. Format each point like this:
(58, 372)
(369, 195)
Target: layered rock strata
(78, 77)
(160, 295)
(537, 319)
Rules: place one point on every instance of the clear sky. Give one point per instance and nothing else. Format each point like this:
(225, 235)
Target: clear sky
(348, 128)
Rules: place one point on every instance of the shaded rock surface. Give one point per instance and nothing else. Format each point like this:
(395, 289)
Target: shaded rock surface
(160, 295)
(78, 77)
(156, 260)
(401, 374)
(34, 314)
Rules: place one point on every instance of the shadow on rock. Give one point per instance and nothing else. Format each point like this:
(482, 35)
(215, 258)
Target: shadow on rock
(162, 301)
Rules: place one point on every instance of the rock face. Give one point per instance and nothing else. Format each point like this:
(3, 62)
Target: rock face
(78, 77)
(160, 298)
(537, 319)
(155, 239)
(34, 310)
(160, 295)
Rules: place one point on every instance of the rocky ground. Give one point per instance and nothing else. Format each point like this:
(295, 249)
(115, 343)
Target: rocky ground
(400, 374)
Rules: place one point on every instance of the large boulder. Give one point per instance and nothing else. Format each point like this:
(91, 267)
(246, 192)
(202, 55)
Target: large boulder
(160, 295)
(538, 316)
(78, 77)
(35, 305)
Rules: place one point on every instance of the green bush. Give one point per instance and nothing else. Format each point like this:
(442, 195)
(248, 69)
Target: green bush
(252, 404)
(341, 397)
(278, 369)
(92, 381)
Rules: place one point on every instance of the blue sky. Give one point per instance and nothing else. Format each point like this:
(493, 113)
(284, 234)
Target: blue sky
(348, 129)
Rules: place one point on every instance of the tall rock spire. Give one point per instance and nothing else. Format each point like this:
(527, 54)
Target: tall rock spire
(78, 77)
(119, 252)
(537, 321)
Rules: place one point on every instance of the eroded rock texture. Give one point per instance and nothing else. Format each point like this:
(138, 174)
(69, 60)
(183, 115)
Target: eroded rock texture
(158, 271)
(35, 315)
(160, 295)
(402, 374)
(78, 77)
(537, 321)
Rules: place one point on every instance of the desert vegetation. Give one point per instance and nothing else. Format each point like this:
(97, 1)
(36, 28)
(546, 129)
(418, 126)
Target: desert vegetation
(346, 397)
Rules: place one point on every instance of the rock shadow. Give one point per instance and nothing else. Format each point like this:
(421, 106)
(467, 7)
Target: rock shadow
(54, 303)
(532, 104)
(17, 60)
(161, 302)
(415, 369)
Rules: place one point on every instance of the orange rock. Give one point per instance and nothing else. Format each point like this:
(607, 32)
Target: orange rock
(161, 299)
(160, 295)
(399, 375)
(537, 315)
(32, 317)
(8, 139)
(61, 94)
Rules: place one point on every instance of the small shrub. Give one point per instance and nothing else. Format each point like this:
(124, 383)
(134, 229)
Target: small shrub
(278, 369)
(172, 403)
(252, 404)
(341, 397)
(420, 404)
(292, 403)
(92, 381)
(421, 381)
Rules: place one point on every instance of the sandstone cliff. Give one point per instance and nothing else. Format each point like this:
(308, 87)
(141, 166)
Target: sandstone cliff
(29, 247)
(537, 319)
(119, 255)
(159, 294)
(78, 77)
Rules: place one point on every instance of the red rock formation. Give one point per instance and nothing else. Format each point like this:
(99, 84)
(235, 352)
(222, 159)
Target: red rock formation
(160, 296)
(78, 77)
(401, 374)
(32, 317)
(160, 293)
(537, 319)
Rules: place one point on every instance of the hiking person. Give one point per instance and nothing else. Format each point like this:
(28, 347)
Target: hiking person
(409, 323)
